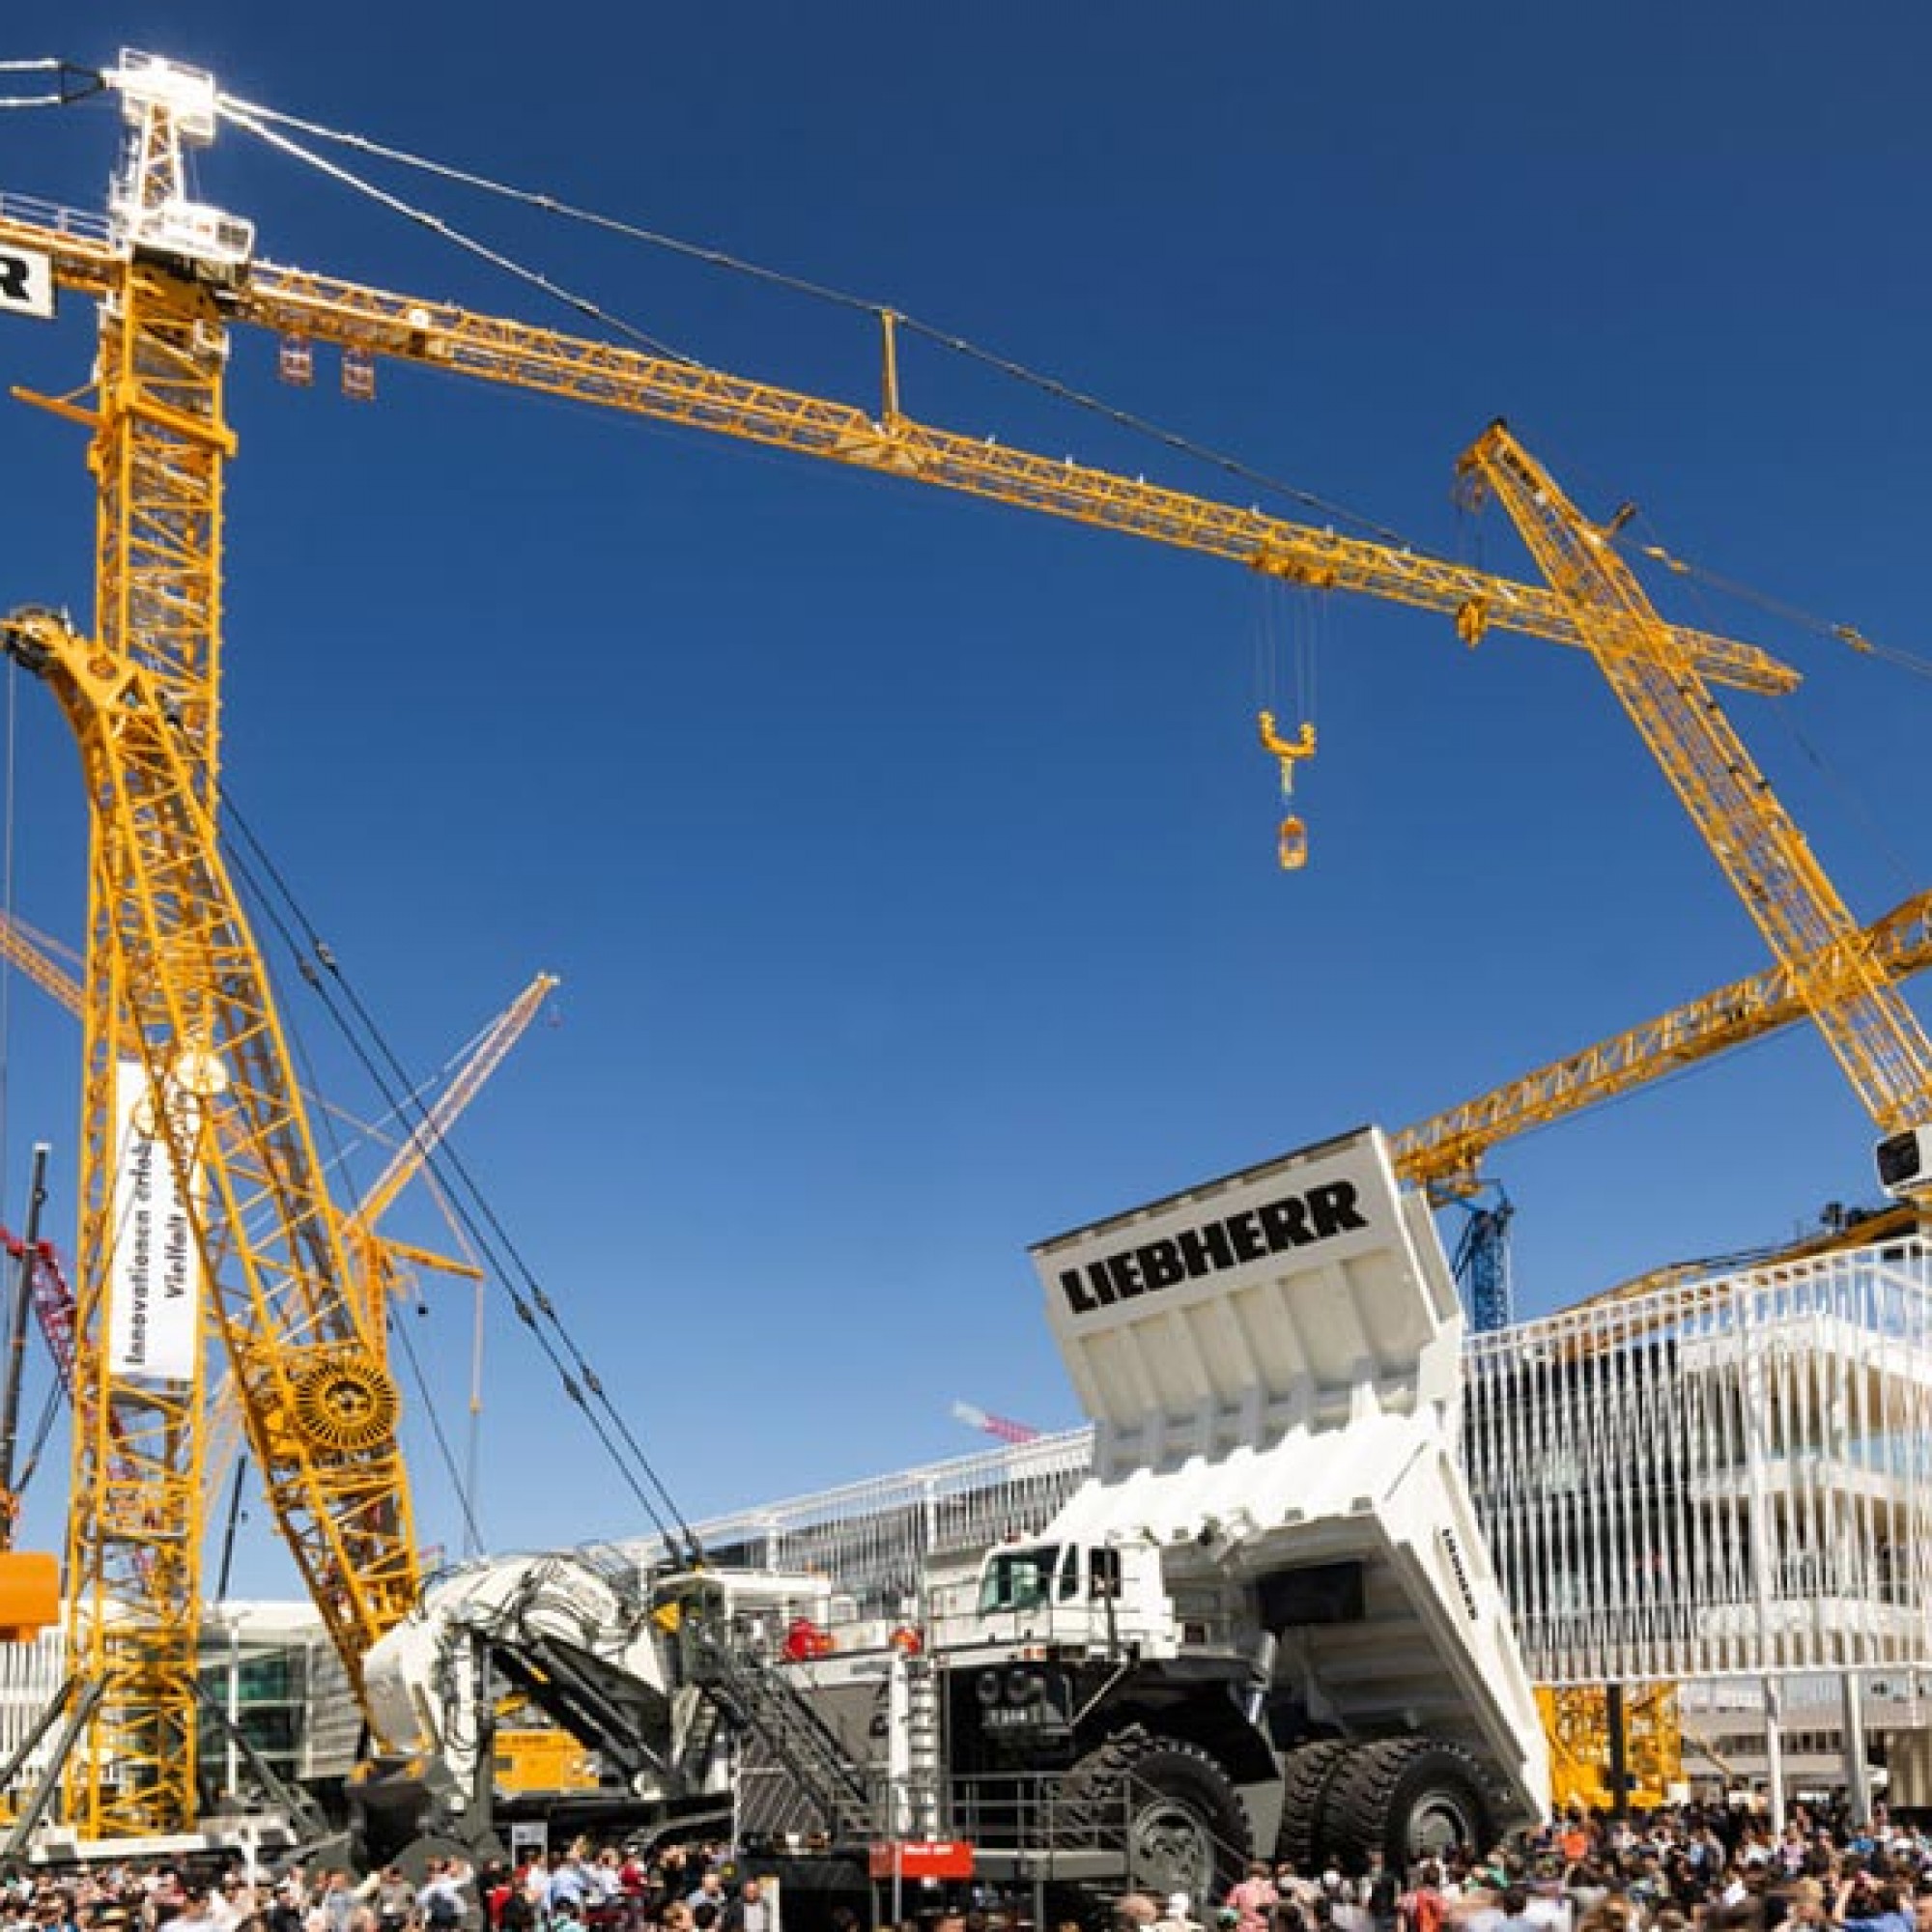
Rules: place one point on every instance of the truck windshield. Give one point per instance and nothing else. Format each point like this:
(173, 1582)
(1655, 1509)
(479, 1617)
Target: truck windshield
(1018, 1580)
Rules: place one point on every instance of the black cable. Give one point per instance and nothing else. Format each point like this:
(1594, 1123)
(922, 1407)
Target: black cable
(319, 961)
(241, 867)
(583, 304)
(400, 1331)
(317, 980)
(42, 1429)
(251, 115)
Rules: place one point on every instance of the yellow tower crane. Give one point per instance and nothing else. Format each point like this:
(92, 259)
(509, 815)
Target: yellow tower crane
(185, 1067)
(1444, 1153)
(1827, 959)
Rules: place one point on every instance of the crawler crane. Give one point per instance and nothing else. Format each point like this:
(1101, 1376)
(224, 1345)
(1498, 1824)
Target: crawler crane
(183, 1049)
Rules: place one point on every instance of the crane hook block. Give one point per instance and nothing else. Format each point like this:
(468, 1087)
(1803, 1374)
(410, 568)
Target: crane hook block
(1472, 619)
(1294, 846)
(1290, 750)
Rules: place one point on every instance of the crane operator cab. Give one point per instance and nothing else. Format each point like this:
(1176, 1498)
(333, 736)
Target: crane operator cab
(1905, 1165)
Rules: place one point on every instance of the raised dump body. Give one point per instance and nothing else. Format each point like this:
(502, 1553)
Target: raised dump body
(1274, 1365)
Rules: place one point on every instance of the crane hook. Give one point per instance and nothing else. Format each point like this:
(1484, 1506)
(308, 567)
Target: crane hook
(1292, 841)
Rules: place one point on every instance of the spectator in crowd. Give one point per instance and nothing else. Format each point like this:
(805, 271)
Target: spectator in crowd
(440, 1901)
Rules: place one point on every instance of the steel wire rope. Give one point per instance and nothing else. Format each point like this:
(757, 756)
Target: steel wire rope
(43, 1423)
(244, 871)
(1849, 795)
(464, 1501)
(396, 205)
(338, 1155)
(1795, 615)
(472, 1447)
(43, 1427)
(317, 962)
(250, 115)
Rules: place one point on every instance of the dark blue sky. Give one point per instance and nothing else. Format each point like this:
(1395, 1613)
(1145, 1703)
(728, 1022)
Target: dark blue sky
(909, 864)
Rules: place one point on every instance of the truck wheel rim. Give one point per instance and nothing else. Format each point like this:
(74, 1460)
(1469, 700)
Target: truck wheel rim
(1439, 1825)
(1172, 1852)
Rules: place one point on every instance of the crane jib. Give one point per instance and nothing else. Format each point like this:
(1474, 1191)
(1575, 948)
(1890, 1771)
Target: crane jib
(367, 322)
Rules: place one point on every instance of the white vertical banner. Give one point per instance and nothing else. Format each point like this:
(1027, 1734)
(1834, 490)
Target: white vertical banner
(153, 1285)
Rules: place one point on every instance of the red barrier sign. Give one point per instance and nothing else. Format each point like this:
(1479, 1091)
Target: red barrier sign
(922, 1858)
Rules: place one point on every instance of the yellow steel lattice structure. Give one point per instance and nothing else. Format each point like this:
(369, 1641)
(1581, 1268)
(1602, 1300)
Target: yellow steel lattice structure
(1871, 1031)
(134, 1559)
(214, 1071)
(407, 328)
(171, 967)
(1444, 1153)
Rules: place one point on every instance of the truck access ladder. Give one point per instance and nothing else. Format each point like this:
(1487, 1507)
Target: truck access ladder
(925, 1754)
(830, 1793)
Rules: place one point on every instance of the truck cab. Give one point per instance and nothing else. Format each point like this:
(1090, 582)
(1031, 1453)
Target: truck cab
(1104, 1597)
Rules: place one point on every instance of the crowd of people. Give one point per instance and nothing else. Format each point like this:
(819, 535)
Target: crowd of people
(1690, 1869)
(580, 1889)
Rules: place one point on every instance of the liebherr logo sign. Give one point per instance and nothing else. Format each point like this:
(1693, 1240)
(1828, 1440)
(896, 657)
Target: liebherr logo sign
(26, 283)
(1270, 1227)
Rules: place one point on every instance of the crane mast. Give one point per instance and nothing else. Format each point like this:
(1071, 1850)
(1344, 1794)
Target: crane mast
(136, 1526)
(172, 971)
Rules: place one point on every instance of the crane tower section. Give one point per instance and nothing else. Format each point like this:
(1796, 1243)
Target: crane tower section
(180, 1031)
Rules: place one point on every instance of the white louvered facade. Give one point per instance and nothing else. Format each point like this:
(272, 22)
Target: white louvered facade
(1723, 1479)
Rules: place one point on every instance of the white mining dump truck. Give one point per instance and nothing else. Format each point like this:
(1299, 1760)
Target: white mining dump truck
(1265, 1622)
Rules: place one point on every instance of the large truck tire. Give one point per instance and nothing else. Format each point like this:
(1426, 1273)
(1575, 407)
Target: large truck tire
(1185, 1827)
(1407, 1798)
(1306, 1774)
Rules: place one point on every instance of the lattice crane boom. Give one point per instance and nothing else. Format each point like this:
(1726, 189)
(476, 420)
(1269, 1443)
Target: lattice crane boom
(1444, 1153)
(1867, 1022)
(306, 307)
(31, 952)
(499, 1037)
(173, 943)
